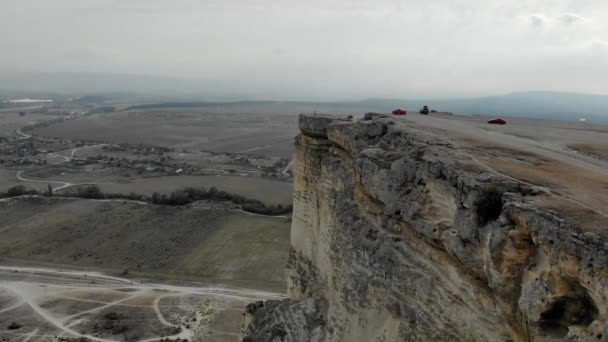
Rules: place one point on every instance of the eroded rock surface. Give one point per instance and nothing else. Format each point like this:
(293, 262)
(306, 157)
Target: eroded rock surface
(398, 235)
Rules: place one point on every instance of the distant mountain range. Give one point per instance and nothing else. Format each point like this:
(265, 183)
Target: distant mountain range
(170, 92)
(541, 105)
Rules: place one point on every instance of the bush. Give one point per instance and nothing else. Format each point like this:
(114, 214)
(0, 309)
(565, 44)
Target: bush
(89, 191)
(14, 326)
(186, 196)
(17, 190)
(112, 316)
(179, 198)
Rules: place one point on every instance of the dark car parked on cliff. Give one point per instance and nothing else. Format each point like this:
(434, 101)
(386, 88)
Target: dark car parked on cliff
(497, 122)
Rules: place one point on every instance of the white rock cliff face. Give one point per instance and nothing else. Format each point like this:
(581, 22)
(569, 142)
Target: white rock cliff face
(393, 239)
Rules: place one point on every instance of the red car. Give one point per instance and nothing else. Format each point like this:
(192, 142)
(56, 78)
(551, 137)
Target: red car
(497, 122)
(399, 112)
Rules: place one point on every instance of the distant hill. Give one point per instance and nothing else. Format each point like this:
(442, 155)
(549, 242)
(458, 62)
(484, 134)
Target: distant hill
(76, 84)
(538, 104)
(542, 105)
(166, 92)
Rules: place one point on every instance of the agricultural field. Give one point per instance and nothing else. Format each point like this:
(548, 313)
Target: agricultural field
(10, 121)
(222, 246)
(183, 128)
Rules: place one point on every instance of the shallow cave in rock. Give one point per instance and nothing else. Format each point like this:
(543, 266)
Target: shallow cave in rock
(575, 309)
(489, 205)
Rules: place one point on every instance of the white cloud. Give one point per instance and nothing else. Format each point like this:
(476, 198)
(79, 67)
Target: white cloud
(569, 19)
(565, 19)
(335, 48)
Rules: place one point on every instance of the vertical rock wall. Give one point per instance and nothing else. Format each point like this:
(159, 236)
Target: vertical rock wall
(395, 239)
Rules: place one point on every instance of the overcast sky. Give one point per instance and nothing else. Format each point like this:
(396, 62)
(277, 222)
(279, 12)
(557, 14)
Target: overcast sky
(320, 48)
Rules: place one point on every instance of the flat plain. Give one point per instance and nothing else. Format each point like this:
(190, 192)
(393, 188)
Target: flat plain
(193, 129)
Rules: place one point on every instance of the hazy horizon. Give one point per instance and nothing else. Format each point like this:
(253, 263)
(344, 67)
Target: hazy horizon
(343, 50)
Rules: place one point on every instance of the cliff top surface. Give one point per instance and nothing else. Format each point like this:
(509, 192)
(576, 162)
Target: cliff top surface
(566, 161)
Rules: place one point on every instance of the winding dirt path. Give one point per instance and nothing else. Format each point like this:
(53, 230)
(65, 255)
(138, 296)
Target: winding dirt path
(30, 335)
(22, 135)
(287, 168)
(46, 315)
(27, 296)
(63, 184)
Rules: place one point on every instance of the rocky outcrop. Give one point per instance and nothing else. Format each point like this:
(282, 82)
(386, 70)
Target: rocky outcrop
(397, 237)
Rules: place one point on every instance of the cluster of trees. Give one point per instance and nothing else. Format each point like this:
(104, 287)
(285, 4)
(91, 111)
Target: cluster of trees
(192, 194)
(15, 191)
(176, 198)
(20, 190)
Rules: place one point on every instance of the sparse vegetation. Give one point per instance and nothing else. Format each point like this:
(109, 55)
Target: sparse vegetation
(17, 190)
(89, 191)
(150, 241)
(14, 326)
(176, 198)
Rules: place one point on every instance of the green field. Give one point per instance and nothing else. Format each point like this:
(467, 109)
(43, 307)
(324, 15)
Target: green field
(266, 190)
(167, 242)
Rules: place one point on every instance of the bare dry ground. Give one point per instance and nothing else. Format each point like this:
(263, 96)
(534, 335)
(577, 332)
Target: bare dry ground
(59, 305)
(599, 151)
(153, 241)
(194, 129)
(537, 152)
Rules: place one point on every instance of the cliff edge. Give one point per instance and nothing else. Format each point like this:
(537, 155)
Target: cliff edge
(404, 231)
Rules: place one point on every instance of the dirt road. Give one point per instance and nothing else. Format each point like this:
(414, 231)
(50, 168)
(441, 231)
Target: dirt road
(31, 293)
(22, 135)
(19, 109)
(63, 185)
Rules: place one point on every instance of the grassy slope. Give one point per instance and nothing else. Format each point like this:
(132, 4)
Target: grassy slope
(176, 243)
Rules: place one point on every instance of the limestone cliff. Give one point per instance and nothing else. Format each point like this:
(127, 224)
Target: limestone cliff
(399, 236)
